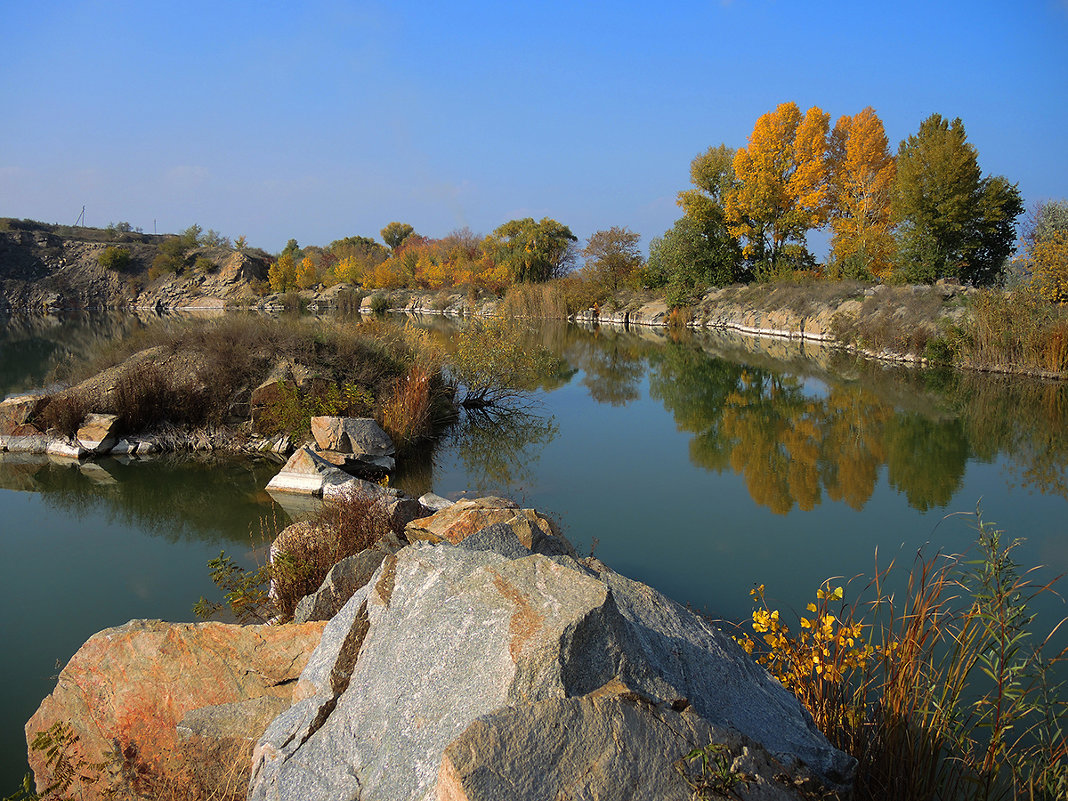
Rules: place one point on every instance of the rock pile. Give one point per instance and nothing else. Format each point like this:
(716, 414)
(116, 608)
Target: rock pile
(482, 661)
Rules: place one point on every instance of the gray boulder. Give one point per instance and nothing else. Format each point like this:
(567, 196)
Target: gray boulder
(613, 747)
(340, 583)
(442, 636)
(358, 435)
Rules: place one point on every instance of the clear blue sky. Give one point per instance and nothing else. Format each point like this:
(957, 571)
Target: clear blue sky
(319, 120)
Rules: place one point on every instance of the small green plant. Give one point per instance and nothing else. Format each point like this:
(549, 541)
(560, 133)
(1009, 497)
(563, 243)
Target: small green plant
(707, 769)
(26, 790)
(205, 265)
(246, 591)
(71, 772)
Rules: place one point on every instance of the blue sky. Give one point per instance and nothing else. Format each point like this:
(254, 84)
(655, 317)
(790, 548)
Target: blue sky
(320, 120)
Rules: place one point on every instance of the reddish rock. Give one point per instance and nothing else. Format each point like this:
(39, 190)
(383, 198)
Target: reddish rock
(16, 412)
(462, 519)
(127, 689)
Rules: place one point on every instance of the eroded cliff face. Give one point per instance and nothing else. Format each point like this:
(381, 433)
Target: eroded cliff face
(42, 271)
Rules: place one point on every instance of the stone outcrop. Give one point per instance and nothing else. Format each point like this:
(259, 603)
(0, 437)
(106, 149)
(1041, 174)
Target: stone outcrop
(423, 685)
(45, 269)
(457, 521)
(170, 704)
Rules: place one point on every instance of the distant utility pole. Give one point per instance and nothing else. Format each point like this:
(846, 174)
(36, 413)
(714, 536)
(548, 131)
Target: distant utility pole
(153, 225)
(81, 218)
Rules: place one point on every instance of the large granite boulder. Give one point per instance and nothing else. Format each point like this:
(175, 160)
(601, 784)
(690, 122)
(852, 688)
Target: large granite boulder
(446, 638)
(357, 445)
(129, 692)
(19, 410)
(360, 435)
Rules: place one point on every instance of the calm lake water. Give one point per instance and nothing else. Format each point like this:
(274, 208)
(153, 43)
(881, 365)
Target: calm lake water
(702, 465)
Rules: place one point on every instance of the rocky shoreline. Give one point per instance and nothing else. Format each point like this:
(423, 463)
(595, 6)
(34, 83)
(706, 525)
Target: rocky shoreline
(475, 656)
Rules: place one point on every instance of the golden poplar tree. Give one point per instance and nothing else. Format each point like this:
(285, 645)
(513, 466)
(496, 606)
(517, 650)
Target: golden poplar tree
(305, 273)
(781, 190)
(861, 173)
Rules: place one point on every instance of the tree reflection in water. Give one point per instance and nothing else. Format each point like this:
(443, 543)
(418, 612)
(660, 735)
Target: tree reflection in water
(793, 444)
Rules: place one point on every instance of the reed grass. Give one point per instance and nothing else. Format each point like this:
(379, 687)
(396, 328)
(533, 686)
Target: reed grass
(944, 690)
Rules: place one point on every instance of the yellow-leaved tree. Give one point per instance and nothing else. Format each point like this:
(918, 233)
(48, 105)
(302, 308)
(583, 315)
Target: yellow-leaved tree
(282, 274)
(305, 277)
(860, 176)
(781, 191)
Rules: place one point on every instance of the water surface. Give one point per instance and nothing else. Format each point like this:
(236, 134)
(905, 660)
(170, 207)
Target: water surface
(700, 464)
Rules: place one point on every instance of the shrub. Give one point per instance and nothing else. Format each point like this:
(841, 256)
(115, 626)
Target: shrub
(171, 256)
(413, 407)
(205, 265)
(545, 301)
(379, 303)
(941, 692)
(64, 413)
(344, 526)
(496, 363)
(115, 259)
(1016, 329)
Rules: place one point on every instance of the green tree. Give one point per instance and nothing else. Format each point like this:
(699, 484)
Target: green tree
(533, 251)
(395, 233)
(952, 222)
(698, 250)
(613, 257)
(113, 258)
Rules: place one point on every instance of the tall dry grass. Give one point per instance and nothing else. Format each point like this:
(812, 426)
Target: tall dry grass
(942, 690)
(543, 301)
(1013, 330)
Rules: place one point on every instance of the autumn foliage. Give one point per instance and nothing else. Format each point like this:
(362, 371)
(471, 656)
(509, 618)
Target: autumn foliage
(782, 190)
(860, 176)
